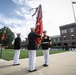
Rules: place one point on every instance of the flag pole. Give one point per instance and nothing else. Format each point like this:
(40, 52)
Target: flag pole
(1, 53)
(73, 11)
(3, 37)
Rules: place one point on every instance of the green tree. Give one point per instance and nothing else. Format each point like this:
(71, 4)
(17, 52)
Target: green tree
(8, 36)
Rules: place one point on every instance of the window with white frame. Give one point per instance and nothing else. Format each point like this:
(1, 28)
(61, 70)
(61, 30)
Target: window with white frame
(64, 37)
(64, 31)
(71, 30)
(54, 40)
(58, 39)
(72, 37)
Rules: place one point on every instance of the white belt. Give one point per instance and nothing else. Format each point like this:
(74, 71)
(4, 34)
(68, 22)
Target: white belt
(45, 42)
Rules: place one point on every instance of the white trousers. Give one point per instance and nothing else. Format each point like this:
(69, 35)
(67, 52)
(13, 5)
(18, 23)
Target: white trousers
(46, 56)
(16, 56)
(32, 59)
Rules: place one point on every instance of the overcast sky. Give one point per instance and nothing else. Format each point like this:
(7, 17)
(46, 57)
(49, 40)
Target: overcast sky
(16, 15)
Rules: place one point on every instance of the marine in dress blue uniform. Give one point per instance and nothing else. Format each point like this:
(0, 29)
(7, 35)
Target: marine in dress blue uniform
(17, 43)
(46, 43)
(32, 47)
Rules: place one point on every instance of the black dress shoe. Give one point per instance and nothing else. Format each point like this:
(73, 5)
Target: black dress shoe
(16, 64)
(45, 65)
(33, 70)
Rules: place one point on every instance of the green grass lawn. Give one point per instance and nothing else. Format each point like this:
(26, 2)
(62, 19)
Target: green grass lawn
(8, 54)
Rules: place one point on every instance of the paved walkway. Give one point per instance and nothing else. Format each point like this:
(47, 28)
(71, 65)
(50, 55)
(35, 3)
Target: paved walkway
(1, 60)
(60, 64)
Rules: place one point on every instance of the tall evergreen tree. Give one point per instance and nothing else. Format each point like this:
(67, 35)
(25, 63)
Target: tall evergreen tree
(6, 36)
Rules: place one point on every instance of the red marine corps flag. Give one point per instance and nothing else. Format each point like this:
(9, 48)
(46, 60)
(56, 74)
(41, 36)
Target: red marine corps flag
(3, 35)
(39, 25)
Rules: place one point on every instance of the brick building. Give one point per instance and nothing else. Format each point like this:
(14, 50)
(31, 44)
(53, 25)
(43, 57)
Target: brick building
(67, 36)
(56, 40)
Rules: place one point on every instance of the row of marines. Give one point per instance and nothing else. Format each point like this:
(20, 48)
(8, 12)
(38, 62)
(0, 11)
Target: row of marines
(32, 47)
